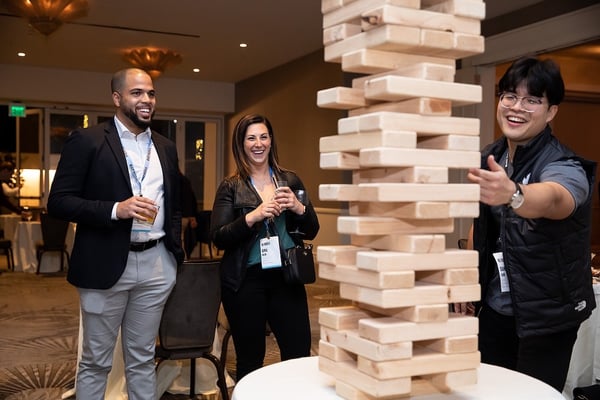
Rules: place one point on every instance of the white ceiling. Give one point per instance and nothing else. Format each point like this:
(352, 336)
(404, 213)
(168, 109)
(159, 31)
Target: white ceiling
(206, 33)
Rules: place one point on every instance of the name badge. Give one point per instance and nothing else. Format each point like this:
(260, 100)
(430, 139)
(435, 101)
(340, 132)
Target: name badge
(270, 254)
(504, 288)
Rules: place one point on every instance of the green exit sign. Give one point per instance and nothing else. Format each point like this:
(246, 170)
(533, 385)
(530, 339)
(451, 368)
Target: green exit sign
(17, 110)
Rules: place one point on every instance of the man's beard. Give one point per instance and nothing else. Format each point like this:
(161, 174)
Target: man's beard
(130, 113)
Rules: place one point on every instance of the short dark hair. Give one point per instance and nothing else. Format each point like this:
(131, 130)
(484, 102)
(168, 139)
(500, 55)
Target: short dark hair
(118, 79)
(541, 76)
(237, 144)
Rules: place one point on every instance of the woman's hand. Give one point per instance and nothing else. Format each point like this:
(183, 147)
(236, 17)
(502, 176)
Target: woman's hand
(288, 201)
(267, 209)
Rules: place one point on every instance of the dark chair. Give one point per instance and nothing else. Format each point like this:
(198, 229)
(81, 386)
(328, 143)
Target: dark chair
(6, 245)
(189, 320)
(54, 233)
(203, 230)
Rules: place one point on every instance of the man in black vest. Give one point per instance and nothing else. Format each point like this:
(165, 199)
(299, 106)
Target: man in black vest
(533, 231)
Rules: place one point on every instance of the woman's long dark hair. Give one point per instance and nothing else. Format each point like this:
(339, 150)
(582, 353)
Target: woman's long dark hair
(237, 144)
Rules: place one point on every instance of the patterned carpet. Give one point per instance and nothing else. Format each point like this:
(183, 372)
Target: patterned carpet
(39, 322)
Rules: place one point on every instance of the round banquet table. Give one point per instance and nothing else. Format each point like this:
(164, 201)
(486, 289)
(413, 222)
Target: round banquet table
(300, 379)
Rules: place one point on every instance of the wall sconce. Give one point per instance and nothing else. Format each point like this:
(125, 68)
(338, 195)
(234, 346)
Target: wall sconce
(46, 16)
(152, 60)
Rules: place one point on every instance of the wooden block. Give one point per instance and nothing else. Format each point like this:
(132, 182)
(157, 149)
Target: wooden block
(464, 293)
(341, 98)
(373, 279)
(330, 5)
(452, 380)
(453, 276)
(407, 192)
(421, 105)
(398, 242)
(345, 317)
(338, 192)
(464, 8)
(340, 32)
(428, 362)
(464, 209)
(422, 70)
(350, 11)
(396, 88)
(423, 124)
(386, 225)
(386, 38)
(399, 157)
(339, 160)
(412, 174)
(334, 352)
(449, 142)
(350, 341)
(421, 294)
(416, 210)
(341, 254)
(398, 261)
(369, 61)
(355, 141)
(451, 345)
(346, 371)
(349, 392)
(418, 313)
(389, 14)
(464, 45)
(390, 330)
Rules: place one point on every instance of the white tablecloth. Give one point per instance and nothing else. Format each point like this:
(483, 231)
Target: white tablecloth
(9, 222)
(585, 359)
(26, 235)
(300, 379)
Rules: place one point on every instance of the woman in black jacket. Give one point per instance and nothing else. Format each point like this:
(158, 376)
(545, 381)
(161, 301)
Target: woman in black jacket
(247, 206)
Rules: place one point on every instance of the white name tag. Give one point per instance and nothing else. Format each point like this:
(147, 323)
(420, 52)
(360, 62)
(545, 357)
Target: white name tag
(270, 254)
(502, 272)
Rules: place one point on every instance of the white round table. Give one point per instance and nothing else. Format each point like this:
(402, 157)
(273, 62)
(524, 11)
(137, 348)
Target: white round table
(300, 379)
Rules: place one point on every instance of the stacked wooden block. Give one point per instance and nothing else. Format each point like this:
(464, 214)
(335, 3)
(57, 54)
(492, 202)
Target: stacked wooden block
(400, 140)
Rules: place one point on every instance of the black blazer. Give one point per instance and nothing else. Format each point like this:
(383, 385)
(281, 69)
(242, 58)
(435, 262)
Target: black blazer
(92, 175)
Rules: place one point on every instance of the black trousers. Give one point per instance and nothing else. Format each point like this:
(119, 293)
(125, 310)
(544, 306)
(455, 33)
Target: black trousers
(265, 298)
(544, 357)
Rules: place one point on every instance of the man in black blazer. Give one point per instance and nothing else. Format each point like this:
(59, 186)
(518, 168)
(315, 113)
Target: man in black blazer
(111, 179)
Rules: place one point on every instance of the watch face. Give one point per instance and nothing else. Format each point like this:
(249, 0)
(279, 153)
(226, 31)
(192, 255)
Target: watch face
(517, 200)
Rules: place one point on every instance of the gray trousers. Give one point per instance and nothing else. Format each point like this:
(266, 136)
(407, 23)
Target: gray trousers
(134, 304)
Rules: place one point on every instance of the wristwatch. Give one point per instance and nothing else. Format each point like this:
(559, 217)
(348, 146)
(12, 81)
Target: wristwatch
(517, 198)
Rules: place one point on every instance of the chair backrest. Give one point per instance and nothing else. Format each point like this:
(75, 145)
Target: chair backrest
(190, 315)
(54, 231)
(203, 228)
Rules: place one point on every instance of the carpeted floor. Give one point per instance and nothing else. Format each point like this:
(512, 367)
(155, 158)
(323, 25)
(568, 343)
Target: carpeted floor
(39, 322)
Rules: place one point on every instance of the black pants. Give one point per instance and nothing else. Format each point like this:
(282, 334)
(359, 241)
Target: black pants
(264, 297)
(544, 357)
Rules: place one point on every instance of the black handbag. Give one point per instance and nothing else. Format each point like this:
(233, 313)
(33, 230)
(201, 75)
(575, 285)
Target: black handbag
(298, 262)
(299, 265)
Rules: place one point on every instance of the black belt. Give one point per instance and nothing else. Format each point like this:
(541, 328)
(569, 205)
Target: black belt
(143, 246)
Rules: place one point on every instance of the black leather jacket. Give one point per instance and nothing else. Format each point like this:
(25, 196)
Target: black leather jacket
(229, 232)
(547, 261)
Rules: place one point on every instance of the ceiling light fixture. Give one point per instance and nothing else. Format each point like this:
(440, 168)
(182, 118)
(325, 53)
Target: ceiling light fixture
(46, 16)
(151, 59)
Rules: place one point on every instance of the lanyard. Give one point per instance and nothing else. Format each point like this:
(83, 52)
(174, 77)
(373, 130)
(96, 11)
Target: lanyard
(255, 188)
(146, 165)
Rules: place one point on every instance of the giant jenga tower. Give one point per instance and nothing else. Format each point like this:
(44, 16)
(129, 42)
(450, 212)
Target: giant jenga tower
(400, 140)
